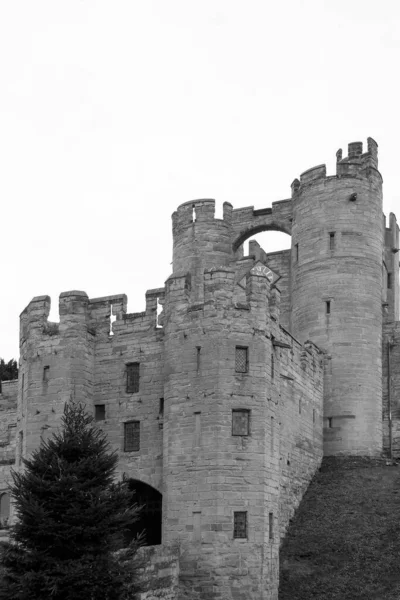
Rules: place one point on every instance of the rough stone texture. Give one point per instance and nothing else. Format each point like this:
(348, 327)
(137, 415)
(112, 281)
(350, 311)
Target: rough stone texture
(313, 380)
(348, 274)
(159, 577)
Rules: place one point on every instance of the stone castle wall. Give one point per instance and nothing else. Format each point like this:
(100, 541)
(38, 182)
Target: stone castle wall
(337, 292)
(309, 322)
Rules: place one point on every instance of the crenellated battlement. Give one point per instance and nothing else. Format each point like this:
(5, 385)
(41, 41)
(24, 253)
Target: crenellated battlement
(102, 316)
(200, 211)
(355, 164)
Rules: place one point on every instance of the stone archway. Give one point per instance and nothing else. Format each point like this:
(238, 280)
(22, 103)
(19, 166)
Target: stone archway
(150, 521)
(247, 221)
(251, 231)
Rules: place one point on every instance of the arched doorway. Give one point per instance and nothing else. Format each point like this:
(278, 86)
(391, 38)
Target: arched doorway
(150, 521)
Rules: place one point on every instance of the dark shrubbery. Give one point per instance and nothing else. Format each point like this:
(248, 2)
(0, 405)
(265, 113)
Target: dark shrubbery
(71, 520)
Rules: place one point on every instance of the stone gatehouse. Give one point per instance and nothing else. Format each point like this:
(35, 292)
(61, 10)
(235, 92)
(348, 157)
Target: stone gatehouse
(222, 396)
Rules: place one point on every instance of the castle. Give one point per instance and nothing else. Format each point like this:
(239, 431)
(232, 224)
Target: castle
(243, 371)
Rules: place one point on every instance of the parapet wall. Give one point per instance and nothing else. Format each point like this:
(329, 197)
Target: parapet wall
(85, 356)
(356, 164)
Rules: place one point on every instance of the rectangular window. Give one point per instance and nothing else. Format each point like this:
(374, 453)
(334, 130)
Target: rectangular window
(46, 373)
(389, 281)
(99, 412)
(328, 307)
(296, 252)
(330, 425)
(240, 525)
(161, 408)
(240, 422)
(332, 240)
(132, 436)
(132, 378)
(271, 526)
(241, 359)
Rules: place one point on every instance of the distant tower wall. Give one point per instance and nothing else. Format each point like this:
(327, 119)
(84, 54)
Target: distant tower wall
(336, 293)
(391, 271)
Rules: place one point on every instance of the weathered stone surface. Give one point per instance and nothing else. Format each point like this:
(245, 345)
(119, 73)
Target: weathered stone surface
(295, 395)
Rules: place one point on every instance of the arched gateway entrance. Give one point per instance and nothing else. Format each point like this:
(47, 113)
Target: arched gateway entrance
(150, 521)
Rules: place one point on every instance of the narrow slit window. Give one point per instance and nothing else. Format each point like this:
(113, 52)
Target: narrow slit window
(272, 365)
(328, 307)
(296, 252)
(240, 422)
(161, 408)
(389, 281)
(132, 436)
(313, 415)
(99, 412)
(299, 406)
(240, 525)
(330, 419)
(132, 378)
(20, 447)
(332, 240)
(271, 525)
(241, 359)
(198, 349)
(197, 526)
(46, 373)
(272, 435)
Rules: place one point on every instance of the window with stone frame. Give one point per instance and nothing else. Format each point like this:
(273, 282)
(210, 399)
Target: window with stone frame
(241, 359)
(132, 436)
(240, 421)
(132, 378)
(240, 525)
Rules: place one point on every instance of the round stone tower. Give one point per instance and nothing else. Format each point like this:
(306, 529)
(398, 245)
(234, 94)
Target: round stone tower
(200, 241)
(337, 243)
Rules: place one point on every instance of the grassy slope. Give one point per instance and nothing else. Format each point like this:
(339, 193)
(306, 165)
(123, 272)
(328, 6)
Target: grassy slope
(344, 541)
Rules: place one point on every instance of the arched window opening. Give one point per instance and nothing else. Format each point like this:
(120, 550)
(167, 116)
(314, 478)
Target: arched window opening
(150, 520)
(4, 510)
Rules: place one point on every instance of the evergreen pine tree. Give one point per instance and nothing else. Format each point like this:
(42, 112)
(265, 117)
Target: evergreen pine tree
(71, 519)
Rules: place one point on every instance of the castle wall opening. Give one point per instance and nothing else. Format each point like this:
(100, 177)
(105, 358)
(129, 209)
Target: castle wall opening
(150, 521)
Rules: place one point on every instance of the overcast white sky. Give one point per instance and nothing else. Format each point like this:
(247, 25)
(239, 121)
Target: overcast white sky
(112, 113)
